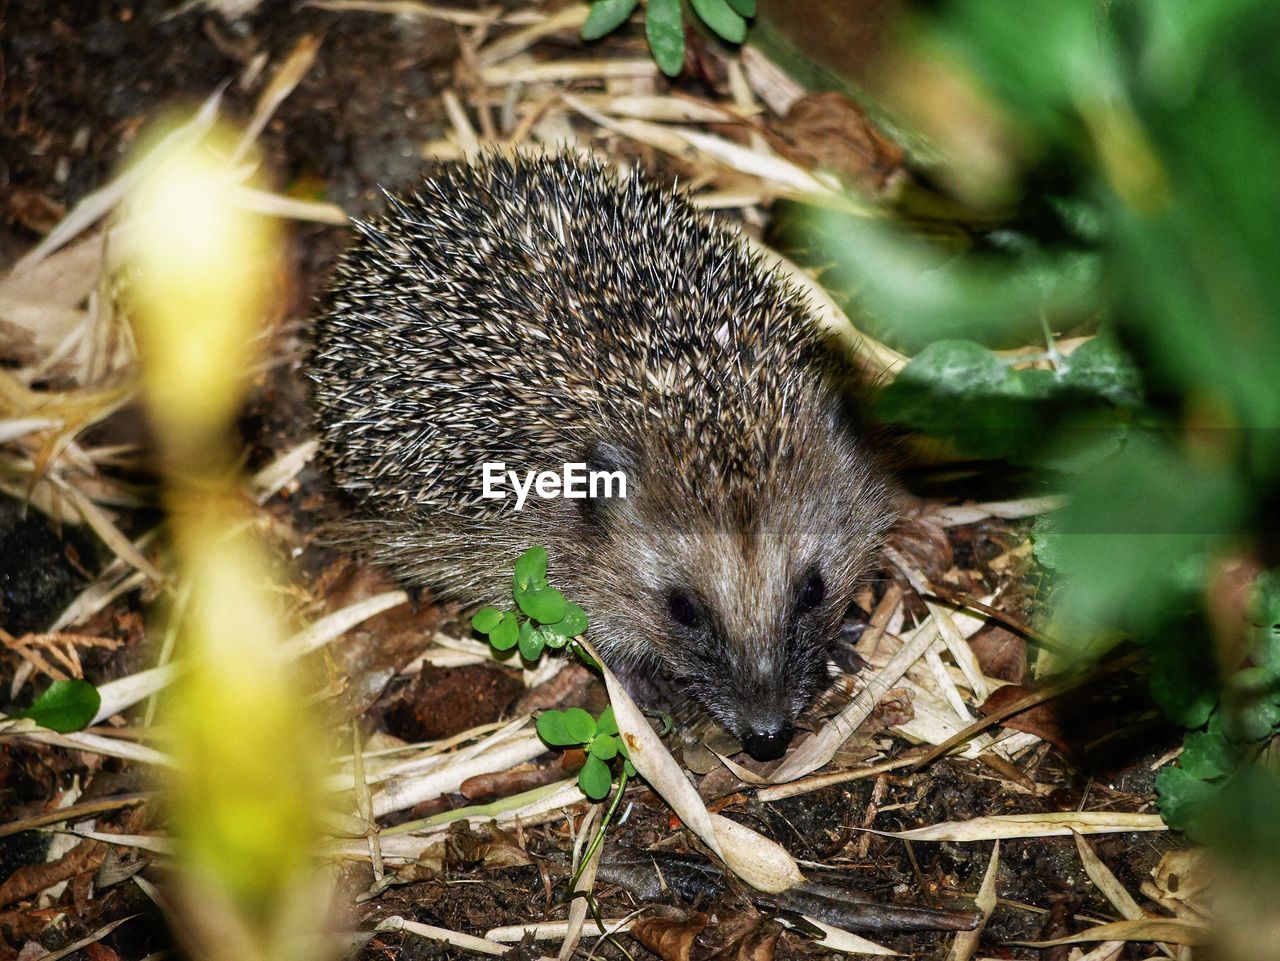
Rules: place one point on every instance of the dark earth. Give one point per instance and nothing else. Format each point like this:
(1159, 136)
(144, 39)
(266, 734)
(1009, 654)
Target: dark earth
(81, 81)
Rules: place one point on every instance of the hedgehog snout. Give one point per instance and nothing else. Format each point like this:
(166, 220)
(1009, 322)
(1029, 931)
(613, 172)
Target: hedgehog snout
(765, 723)
(768, 742)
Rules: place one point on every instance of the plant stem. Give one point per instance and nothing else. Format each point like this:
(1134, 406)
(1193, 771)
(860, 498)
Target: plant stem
(599, 838)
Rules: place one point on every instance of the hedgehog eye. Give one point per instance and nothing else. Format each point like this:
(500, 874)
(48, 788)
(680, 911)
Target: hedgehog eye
(812, 592)
(683, 611)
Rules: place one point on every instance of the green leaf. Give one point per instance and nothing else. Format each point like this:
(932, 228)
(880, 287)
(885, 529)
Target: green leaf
(65, 706)
(1183, 798)
(1132, 544)
(604, 746)
(1183, 679)
(606, 16)
(629, 768)
(580, 724)
(955, 368)
(962, 390)
(531, 642)
(664, 26)
(1100, 368)
(1265, 611)
(595, 778)
(506, 632)
(486, 619)
(1254, 713)
(531, 568)
(1207, 755)
(719, 16)
(551, 728)
(607, 723)
(1242, 822)
(1044, 543)
(573, 623)
(745, 7)
(546, 606)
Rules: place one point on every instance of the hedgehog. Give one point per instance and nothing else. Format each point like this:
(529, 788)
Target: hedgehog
(538, 311)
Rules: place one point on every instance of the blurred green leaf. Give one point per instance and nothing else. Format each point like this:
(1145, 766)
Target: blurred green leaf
(65, 706)
(721, 18)
(1183, 798)
(1130, 138)
(1252, 704)
(961, 390)
(1134, 535)
(930, 294)
(1256, 718)
(1265, 613)
(606, 16)
(1099, 368)
(1208, 755)
(664, 27)
(1072, 62)
(1242, 820)
(1183, 676)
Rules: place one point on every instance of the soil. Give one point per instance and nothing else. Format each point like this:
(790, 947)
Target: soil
(81, 82)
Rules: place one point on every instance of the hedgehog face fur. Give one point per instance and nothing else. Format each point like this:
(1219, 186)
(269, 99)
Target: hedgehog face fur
(540, 311)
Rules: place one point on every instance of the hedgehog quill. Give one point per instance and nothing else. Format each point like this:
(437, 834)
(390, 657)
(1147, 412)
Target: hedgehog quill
(542, 312)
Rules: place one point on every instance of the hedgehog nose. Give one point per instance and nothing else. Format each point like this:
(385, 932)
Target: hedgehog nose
(768, 745)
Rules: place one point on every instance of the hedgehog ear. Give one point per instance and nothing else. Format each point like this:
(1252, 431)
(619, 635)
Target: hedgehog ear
(616, 467)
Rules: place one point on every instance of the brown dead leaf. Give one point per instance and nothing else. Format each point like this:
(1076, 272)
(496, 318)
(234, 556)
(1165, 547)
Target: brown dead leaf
(760, 943)
(29, 880)
(482, 787)
(1057, 923)
(1171, 930)
(568, 686)
(1002, 653)
(488, 845)
(34, 210)
(100, 952)
(1040, 720)
(924, 543)
(1184, 876)
(670, 938)
(894, 708)
(828, 131)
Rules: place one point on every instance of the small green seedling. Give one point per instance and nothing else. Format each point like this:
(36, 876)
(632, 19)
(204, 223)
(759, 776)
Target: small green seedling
(598, 737)
(664, 24)
(544, 619)
(549, 620)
